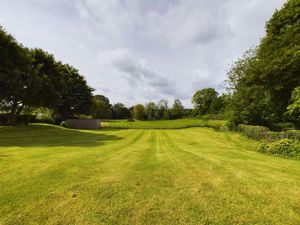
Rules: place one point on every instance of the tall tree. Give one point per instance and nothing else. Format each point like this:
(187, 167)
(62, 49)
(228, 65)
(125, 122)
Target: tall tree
(77, 95)
(18, 80)
(263, 80)
(177, 109)
(151, 111)
(101, 108)
(139, 112)
(162, 109)
(203, 99)
(120, 111)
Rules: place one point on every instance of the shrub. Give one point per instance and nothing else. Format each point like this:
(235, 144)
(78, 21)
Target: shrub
(284, 147)
(255, 132)
(282, 126)
(130, 120)
(23, 119)
(63, 124)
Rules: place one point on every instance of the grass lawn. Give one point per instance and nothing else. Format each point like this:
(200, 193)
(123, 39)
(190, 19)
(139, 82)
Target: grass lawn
(51, 175)
(162, 124)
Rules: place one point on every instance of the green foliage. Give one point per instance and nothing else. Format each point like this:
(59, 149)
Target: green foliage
(177, 110)
(262, 81)
(151, 111)
(293, 110)
(283, 147)
(254, 132)
(101, 109)
(203, 99)
(139, 112)
(76, 97)
(20, 119)
(63, 124)
(120, 111)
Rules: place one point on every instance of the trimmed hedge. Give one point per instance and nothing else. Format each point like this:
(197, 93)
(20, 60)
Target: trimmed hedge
(255, 132)
(264, 133)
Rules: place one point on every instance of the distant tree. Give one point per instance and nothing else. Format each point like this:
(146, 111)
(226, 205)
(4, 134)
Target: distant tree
(139, 112)
(120, 111)
(203, 100)
(293, 110)
(77, 95)
(151, 111)
(162, 108)
(101, 108)
(177, 109)
(218, 106)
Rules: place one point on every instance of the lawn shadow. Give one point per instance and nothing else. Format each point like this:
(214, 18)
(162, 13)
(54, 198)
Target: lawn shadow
(49, 135)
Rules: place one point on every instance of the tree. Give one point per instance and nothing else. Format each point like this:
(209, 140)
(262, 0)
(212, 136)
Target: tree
(101, 108)
(139, 112)
(77, 95)
(51, 79)
(120, 111)
(262, 81)
(293, 110)
(177, 109)
(18, 80)
(151, 111)
(203, 100)
(162, 109)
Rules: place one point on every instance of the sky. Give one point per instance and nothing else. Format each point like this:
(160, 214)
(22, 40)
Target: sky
(137, 51)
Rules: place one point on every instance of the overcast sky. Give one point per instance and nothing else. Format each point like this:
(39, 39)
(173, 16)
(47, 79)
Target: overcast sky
(136, 51)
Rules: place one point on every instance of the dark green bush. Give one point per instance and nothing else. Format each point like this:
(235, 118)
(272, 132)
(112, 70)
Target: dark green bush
(282, 126)
(63, 124)
(283, 147)
(23, 119)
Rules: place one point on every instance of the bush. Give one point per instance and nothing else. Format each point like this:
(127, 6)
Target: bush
(130, 120)
(63, 124)
(282, 126)
(23, 119)
(284, 147)
(255, 132)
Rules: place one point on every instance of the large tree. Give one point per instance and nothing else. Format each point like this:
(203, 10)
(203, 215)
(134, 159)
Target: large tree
(203, 100)
(139, 112)
(19, 83)
(76, 97)
(101, 109)
(120, 111)
(263, 80)
(177, 109)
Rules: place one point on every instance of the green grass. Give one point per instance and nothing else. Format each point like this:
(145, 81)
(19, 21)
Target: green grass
(51, 175)
(163, 124)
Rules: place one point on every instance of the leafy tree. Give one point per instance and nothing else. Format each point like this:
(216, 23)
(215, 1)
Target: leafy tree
(101, 108)
(120, 111)
(177, 109)
(76, 97)
(18, 80)
(203, 99)
(151, 111)
(293, 110)
(139, 112)
(51, 79)
(162, 109)
(262, 81)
